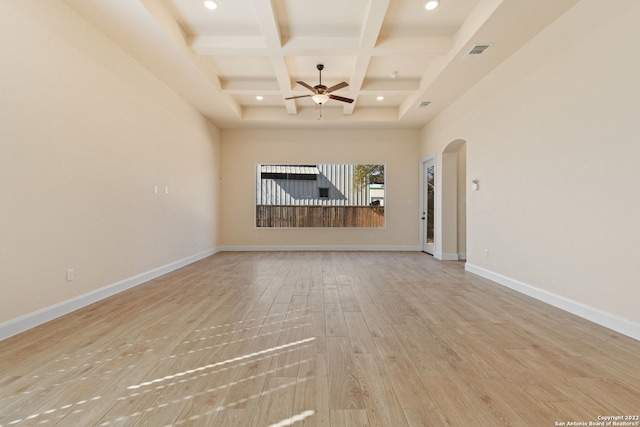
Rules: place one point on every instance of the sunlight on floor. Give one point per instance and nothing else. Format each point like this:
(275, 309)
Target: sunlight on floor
(214, 365)
(296, 418)
(98, 373)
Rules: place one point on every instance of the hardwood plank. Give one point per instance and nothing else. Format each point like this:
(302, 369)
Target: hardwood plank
(245, 380)
(297, 309)
(348, 300)
(331, 295)
(276, 401)
(335, 324)
(420, 346)
(421, 417)
(349, 418)
(514, 410)
(403, 375)
(286, 362)
(315, 300)
(456, 406)
(361, 340)
(345, 391)
(233, 418)
(315, 327)
(378, 325)
(383, 407)
(312, 402)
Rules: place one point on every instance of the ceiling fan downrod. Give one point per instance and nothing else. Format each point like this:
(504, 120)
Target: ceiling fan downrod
(320, 67)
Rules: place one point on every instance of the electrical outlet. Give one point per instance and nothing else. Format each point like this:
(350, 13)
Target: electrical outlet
(71, 274)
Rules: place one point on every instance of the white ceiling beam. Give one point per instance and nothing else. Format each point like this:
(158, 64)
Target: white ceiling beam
(371, 25)
(273, 40)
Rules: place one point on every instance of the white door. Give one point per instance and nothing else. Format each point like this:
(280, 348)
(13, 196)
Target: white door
(428, 205)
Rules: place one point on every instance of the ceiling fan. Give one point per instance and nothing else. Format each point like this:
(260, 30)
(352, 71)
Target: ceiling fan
(321, 93)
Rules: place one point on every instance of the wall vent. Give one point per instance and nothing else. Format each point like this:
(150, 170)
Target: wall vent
(478, 50)
(424, 104)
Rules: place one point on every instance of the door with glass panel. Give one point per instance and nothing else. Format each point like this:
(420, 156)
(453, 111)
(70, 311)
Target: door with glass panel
(428, 205)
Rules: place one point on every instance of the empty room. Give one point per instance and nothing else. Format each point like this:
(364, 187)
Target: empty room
(319, 213)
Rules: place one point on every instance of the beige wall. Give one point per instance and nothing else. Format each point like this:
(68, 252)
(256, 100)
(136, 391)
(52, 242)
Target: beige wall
(85, 136)
(397, 149)
(552, 137)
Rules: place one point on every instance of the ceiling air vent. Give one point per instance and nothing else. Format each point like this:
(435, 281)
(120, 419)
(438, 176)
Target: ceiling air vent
(478, 50)
(424, 104)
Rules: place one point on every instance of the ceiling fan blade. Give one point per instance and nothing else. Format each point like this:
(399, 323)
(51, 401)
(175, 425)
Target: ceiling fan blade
(340, 98)
(299, 96)
(336, 87)
(307, 86)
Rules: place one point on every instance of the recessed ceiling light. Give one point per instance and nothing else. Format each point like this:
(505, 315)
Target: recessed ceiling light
(209, 4)
(431, 4)
(393, 74)
(259, 98)
(380, 98)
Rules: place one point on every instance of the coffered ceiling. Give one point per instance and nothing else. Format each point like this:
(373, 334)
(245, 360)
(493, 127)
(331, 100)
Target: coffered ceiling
(415, 60)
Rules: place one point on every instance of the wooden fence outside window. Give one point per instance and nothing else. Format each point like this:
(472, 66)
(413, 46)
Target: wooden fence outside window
(277, 216)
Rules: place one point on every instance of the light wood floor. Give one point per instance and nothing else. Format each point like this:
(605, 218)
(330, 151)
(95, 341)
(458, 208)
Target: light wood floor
(318, 339)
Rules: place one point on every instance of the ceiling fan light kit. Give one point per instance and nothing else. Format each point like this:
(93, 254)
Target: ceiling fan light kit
(320, 99)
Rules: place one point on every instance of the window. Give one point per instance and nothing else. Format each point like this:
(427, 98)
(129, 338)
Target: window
(320, 195)
(323, 192)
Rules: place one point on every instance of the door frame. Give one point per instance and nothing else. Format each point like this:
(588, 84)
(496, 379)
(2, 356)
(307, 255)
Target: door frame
(424, 247)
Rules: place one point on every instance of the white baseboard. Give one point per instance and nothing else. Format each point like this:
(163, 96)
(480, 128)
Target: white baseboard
(28, 321)
(319, 248)
(446, 257)
(608, 320)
